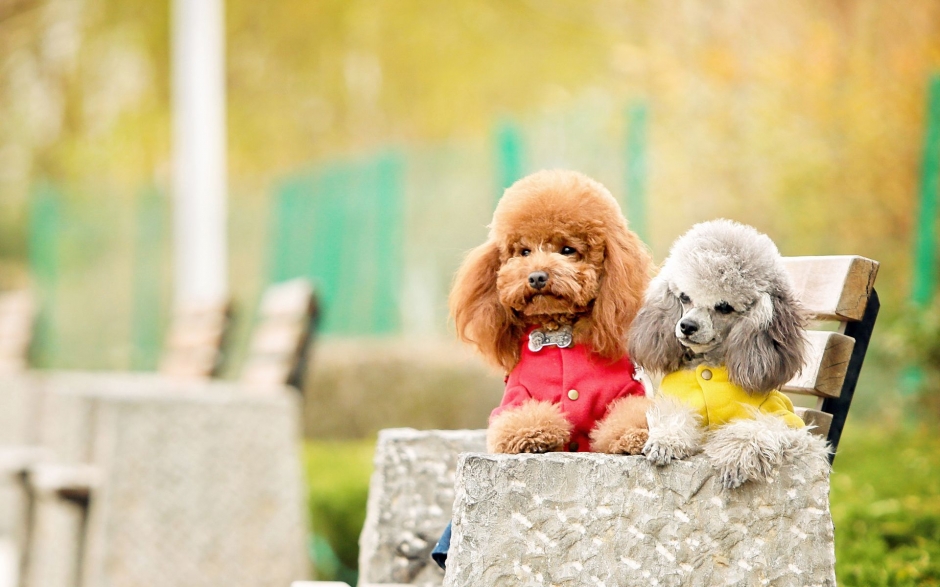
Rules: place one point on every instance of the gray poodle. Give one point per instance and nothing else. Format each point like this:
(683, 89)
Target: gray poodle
(722, 324)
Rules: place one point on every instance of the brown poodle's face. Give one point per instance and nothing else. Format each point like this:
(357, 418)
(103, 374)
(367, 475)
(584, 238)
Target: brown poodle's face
(559, 253)
(549, 276)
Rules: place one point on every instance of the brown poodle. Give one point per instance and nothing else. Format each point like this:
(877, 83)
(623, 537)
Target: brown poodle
(549, 298)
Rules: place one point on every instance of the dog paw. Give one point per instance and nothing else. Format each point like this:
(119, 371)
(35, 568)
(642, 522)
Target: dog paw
(749, 464)
(675, 432)
(534, 441)
(662, 453)
(658, 453)
(732, 477)
(623, 430)
(749, 449)
(748, 467)
(533, 427)
(631, 443)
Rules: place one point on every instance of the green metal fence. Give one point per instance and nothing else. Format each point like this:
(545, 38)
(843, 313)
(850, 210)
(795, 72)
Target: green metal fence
(44, 227)
(341, 226)
(99, 264)
(380, 235)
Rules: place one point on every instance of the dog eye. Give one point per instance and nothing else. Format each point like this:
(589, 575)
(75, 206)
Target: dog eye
(685, 299)
(723, 308)
(525, 252)
(568, 251)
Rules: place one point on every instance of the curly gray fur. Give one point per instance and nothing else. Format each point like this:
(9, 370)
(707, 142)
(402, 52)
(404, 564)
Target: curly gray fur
(750, 449)
(675, 431)
(739, 300)
(652, 341)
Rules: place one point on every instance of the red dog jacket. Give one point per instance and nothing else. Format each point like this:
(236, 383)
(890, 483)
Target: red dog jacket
(581, 383)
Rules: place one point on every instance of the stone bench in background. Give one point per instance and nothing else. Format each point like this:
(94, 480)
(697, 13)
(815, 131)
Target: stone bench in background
(599, 520)
(411, 497)
(149, 481)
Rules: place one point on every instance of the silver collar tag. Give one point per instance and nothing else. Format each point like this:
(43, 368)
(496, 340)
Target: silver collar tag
(561, 338)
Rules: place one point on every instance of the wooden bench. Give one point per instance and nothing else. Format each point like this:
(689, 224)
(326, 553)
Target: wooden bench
(56, 483)
(193, 346)
(18, 310)
(279, 351)
(280, 344)
(586, 519)
(17, 316)
(839, 292)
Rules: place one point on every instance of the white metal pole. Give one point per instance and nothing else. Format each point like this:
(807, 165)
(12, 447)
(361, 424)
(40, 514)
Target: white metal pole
(199, 139)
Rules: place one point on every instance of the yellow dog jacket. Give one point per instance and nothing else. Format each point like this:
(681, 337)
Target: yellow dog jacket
(709, 392)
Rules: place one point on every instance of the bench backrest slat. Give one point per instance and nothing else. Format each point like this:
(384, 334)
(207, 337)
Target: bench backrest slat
(281, 341)
(833, 287)
(824, 370)
(193, 347)
(839, 289)
(17, 317)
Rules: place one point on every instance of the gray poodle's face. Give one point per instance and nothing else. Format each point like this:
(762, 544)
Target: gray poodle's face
(710, 311)
(704, 325)
(723, 297)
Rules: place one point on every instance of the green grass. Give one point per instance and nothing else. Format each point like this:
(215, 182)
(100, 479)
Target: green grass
(885, 504)
(338, 483)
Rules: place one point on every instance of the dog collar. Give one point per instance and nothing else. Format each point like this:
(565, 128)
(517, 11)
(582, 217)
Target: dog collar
(562, 338)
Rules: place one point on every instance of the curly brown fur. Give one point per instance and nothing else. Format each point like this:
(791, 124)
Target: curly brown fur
(478, 314)
(624, 430)
(533, 427)
(568, 226)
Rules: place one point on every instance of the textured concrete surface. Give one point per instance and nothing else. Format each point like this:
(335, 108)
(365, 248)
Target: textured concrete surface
(601, 520)
(411, 496)
(203, 491)
(197, 484)
(19, 405)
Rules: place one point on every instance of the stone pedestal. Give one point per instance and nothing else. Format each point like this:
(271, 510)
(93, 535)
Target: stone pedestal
(602, 520)
(150, 481)
(19, 407)
(411, 496)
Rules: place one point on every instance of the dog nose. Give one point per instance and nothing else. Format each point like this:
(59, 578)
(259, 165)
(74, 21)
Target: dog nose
(538, 279)
(688, 327)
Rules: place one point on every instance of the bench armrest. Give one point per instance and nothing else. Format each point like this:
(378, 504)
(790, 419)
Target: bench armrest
(16, 460)
(75, 482)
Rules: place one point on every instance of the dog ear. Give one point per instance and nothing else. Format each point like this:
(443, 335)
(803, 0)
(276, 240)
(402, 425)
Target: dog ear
(652, 341)
(625, 278)
(765, 349)
(479, 317)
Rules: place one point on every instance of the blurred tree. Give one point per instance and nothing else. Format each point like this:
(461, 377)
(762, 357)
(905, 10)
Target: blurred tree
(10, 9)
(804, 118)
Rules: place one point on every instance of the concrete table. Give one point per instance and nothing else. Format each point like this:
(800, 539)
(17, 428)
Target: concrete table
(156, 482)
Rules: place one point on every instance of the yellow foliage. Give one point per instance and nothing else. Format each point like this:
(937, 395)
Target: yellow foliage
(803, 117)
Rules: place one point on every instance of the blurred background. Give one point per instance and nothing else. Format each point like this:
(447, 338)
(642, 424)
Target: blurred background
(368, 141)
